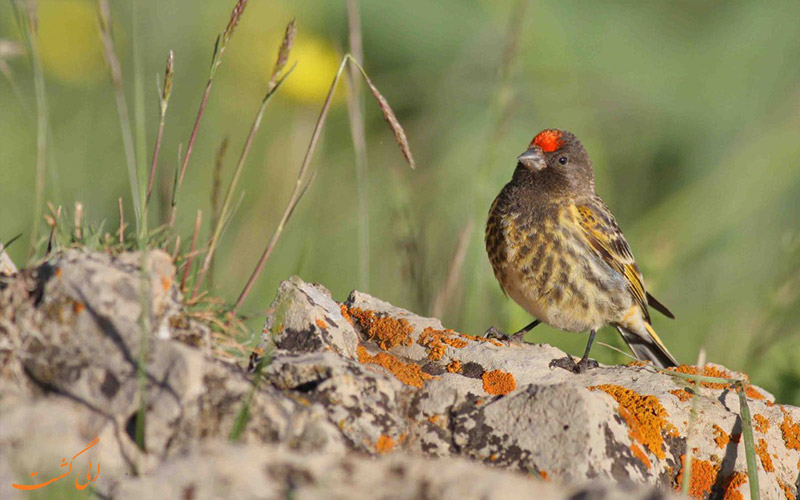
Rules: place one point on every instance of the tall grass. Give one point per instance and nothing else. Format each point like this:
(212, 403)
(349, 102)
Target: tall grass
(26, 15)
(115, 68)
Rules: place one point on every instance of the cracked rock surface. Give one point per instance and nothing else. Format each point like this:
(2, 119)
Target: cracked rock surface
(356, 399)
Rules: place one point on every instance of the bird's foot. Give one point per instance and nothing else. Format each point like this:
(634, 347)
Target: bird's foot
(496, 333)
(569, 364)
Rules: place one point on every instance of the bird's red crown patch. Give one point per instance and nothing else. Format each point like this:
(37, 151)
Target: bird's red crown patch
(548, 140)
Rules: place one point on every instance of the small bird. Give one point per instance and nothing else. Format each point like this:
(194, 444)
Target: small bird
(557, 251)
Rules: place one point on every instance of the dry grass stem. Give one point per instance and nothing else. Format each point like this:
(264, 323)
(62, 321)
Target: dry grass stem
(301, 185)
(687, 466)
(122, 106)
(226, 204)
(216, 186)
(78, 221)
(121, 231)
(177, 248)
(165, 92)
(26, 14)
(355, 110)
(219, 50)
(190, 258)
(297, 192)
(453, 270)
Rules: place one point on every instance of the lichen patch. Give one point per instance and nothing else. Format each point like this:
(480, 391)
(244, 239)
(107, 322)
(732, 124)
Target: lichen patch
(454, 366)
(387, 331)
(682, 394)
(721, 437)
(703, 476)
(764, 456)
(436, 341)
(644, 415)
(640, 454)
(407, 373)
(384, 444)
(790, 432)
(762, 424)
(498, 382)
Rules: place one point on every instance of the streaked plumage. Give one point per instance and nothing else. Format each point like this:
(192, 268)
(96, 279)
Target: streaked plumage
(557, 251)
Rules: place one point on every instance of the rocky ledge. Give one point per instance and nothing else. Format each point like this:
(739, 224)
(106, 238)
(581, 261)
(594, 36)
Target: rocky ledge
(353, 399)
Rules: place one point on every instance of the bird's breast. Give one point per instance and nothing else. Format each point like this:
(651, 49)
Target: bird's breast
(543, 263)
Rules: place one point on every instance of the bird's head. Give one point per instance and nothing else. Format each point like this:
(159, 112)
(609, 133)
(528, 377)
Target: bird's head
(558, 158)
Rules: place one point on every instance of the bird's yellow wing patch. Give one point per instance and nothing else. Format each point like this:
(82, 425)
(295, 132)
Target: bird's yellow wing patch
(605, 238)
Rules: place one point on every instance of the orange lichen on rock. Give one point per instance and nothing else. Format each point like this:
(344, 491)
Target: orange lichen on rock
(78, 307)
(346, 313)
(454, 366)
(407, 373)
(384, 444)
(388, 331)
(788, 490)
(544, 475)
(704, 475)
(721, 437)
(763, 454)
(322, 324)
(645, 416)
(437, 341)
(498, 382)
(752, 392)
(681, 394)
(731, 486)
(475, 338)
(790, 432)
(762, 424)
(713, 371)
(708, 371)
(639, 453)
(636, 362)
(165, 283)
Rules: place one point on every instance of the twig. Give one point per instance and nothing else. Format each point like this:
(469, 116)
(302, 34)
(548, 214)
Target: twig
(453, 270)
(355, 110)
(164, 94)
(122, 106)
(197, 222)
(78, 221)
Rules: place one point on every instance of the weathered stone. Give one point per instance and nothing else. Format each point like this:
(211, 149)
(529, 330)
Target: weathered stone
(444, 413)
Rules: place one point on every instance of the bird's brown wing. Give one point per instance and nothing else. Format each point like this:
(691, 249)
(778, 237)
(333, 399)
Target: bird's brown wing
(605, 238)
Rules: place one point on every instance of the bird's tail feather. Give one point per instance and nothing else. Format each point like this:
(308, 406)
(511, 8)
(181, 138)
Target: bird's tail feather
(648, 347)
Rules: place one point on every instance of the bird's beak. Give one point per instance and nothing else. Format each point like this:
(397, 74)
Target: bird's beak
(532, 159)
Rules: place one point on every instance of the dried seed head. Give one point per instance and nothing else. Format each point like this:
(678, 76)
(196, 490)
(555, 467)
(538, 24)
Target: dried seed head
(236, 16)
(168, 74)
(391, 119)
(283, 52)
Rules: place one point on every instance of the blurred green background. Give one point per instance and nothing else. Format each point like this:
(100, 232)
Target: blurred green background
(690, 111)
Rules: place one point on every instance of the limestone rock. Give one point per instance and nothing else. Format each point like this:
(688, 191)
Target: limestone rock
(358, 399)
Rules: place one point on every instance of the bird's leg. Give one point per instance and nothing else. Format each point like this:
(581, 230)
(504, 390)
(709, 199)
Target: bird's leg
(581, 366)
(518, 336)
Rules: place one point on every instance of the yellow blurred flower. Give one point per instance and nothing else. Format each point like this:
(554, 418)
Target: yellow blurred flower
(317, 63)
(69, 41)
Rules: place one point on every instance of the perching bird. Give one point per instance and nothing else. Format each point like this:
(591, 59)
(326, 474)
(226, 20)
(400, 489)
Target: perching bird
(557, 251)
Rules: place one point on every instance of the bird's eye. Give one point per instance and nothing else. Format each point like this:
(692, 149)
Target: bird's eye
(563, 160)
